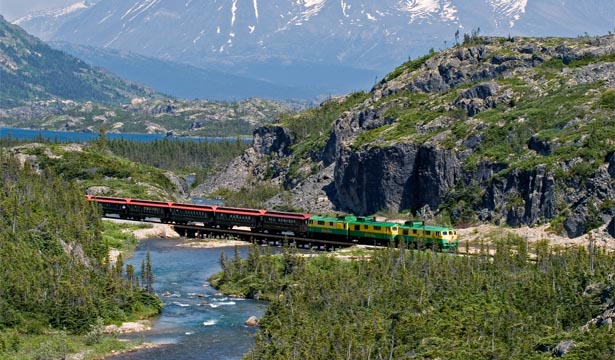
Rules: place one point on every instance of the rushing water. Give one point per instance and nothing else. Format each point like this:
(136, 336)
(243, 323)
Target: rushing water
(195, 323)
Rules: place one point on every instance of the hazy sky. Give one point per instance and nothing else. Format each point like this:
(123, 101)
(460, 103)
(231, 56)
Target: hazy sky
(13, 9)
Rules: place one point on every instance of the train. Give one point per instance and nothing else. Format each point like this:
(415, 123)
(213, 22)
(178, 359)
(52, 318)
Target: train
(344, 228)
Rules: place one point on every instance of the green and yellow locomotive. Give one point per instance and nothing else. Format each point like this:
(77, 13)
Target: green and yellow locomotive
(369, 231)
(418, 235)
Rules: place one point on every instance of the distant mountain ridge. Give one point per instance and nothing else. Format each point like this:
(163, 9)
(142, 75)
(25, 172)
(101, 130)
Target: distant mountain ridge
(190, 82)
(323, 47)
(32, 71)
(356, 33)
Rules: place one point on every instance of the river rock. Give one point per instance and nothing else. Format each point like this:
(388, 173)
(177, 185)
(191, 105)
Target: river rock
(252, 321)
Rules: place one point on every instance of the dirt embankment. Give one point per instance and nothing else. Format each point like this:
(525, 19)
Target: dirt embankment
(489, 233)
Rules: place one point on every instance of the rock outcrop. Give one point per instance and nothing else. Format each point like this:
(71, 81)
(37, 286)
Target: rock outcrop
(436, 166)
(404, 176)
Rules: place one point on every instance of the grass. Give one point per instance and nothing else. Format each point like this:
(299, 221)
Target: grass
(119, 235)
(58, 345)
(409, 66)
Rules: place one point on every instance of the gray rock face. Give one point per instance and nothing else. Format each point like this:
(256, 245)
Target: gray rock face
(235, 176)
(272, 140)
(542, 147)
(523, 197)
(464, 66)
(180, 184)
(400, 177)
(611, 164)
(478, 98)
(611, 228)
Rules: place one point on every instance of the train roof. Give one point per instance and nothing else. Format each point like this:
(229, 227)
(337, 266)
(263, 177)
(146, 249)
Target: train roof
(360, 220)
(239, 211)
(351, 219)
(426, 227)
(333, 218)
(286, 214)
(206, 208)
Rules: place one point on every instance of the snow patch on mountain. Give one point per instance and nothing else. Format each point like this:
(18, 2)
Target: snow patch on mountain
(233, 13)
(508, 10)
(313, 7)
(256, 9)
(140, 8)
(55, 13)
(109, 15)
(345, 6)
(425, 9)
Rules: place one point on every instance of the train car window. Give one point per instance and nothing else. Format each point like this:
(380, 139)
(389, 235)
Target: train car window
(311, 222)
(330, 223)
(345, 226)
(428, 232)
(357, 227)
(437, 233)
(377, 227)
(414, 231)
(405, 232)
(365, 227)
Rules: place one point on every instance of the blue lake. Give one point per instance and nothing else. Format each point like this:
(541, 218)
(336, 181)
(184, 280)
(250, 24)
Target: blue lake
(67, 136)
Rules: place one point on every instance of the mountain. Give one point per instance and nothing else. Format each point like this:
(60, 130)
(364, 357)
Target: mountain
(511, 131)
(323, 47)
(362, 34)
(31, 71)
(189, 82)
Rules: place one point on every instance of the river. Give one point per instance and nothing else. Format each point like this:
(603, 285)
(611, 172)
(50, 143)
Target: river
(195, 322)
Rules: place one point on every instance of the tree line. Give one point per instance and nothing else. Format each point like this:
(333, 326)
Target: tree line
(54, 269)
(402, 304)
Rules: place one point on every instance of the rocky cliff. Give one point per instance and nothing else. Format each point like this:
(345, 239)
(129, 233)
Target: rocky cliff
(509, 131)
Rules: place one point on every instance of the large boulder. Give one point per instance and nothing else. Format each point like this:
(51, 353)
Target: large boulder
(252, 321)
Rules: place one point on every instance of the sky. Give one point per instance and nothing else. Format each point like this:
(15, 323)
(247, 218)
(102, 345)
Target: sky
(14, 9)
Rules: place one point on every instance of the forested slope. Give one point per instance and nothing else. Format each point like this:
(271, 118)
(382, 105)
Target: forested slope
(54, 272)
(404, 304)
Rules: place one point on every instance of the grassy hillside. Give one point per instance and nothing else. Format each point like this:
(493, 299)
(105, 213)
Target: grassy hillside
(32, 71)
